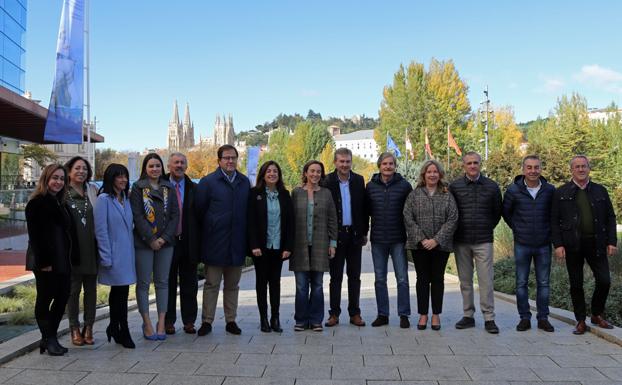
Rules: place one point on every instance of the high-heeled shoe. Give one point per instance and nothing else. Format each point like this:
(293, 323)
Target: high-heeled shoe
(160, 337)
(421, 326)
(87, 335)
(153, 337)
(112, 332)
(264, 326)
(436, 326)
(52, 346)
(76, 336)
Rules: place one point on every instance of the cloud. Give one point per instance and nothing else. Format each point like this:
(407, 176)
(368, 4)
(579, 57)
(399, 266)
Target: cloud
(551, 85)
(600, 77)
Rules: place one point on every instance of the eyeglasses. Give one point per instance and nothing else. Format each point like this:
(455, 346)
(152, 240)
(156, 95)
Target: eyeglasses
(228, 158)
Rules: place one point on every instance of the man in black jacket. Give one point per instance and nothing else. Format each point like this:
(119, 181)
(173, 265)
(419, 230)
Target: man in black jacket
(527, 210)
(385, 195)
(185, 259)
(348, 190)
(584, 229)
(479, 206)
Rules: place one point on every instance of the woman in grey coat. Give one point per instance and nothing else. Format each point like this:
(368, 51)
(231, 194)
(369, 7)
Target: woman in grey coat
(430, 217)
(315, 243)
(156, 212)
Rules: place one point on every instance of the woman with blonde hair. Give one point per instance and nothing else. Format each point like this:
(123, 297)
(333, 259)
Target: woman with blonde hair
(49, 254)
(430, 217)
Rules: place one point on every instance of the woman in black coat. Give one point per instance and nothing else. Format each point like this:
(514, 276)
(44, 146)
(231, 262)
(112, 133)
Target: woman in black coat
(270, 238)
(49, 254)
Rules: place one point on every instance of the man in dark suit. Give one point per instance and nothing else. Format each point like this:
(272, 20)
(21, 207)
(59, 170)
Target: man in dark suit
(348, 190)
(185, 259)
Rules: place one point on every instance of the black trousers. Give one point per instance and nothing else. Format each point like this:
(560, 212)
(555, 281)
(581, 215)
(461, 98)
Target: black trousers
(117, 300)
(348, 254)
(600, 267)
(430, 267)
(268, 275)
(188, 287)
(52, 294)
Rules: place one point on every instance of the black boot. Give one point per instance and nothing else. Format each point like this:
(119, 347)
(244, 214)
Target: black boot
(126, 338)
(113, 332)
(275, 324)
(264, 325)
(52, 346)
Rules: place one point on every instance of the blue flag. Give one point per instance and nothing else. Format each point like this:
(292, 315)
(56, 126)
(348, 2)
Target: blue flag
(64, 120)
(252, 161)
(391, 146)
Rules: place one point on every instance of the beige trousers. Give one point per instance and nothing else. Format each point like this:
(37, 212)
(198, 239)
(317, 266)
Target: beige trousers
(213, 275)
(482, 254)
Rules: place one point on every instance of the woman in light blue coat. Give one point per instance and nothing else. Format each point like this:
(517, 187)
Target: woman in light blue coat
(114, 226)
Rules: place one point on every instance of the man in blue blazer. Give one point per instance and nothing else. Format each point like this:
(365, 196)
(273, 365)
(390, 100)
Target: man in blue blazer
(220, 201)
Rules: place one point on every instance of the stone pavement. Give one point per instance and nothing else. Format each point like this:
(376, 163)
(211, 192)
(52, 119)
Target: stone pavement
(345, 354)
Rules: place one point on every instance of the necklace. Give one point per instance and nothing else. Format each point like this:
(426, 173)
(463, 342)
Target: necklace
(81, 212)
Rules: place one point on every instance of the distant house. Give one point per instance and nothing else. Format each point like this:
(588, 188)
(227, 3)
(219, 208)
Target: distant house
(602, 114)
(361, 143)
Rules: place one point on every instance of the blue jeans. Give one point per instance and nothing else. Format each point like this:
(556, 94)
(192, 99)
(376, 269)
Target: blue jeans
(309, 309)
(380, 254)
(541, 256)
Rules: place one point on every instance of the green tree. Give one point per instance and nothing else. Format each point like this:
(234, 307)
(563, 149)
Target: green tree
(38, 153)
(418, 100)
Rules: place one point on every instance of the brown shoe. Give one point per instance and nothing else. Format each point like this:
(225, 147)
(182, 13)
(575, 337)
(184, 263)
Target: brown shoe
(189, 328)
(580, 328)
(87, 335)
(76, 336)
(169, 328)
(357, 320)
(601, 322)
(333, 320)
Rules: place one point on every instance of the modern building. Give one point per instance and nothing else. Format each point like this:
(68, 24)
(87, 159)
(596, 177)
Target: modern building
(180, 135)
(361, 143)
(12, 43)
(22, 120)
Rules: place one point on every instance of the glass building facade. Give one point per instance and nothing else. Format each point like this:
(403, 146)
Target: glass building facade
(12, 43)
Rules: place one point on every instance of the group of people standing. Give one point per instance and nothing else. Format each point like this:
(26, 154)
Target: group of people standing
(161, 228)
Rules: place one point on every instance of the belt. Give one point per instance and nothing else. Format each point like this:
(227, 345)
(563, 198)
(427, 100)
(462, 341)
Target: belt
(346, 229)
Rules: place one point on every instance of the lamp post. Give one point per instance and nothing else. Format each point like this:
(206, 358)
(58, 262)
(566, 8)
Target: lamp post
(485, 119)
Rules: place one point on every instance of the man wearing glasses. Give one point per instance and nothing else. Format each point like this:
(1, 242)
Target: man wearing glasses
(220, 202)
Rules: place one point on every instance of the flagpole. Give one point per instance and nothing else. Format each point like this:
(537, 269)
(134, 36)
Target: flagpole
(447, 125)
(87, 71)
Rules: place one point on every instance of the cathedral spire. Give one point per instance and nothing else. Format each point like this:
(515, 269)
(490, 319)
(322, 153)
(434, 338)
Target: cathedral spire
(175, 118)
(187, 115)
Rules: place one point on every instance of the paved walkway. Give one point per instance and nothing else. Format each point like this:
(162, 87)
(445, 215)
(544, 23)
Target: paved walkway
(341, 355)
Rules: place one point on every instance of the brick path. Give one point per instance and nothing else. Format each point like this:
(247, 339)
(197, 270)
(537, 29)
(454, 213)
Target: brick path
(12, 264)
(341, 355)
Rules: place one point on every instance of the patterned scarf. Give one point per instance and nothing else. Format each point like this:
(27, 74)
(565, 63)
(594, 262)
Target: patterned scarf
(150, 210)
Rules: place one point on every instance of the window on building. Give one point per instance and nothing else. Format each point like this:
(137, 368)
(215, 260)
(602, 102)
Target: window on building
(58, 148)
